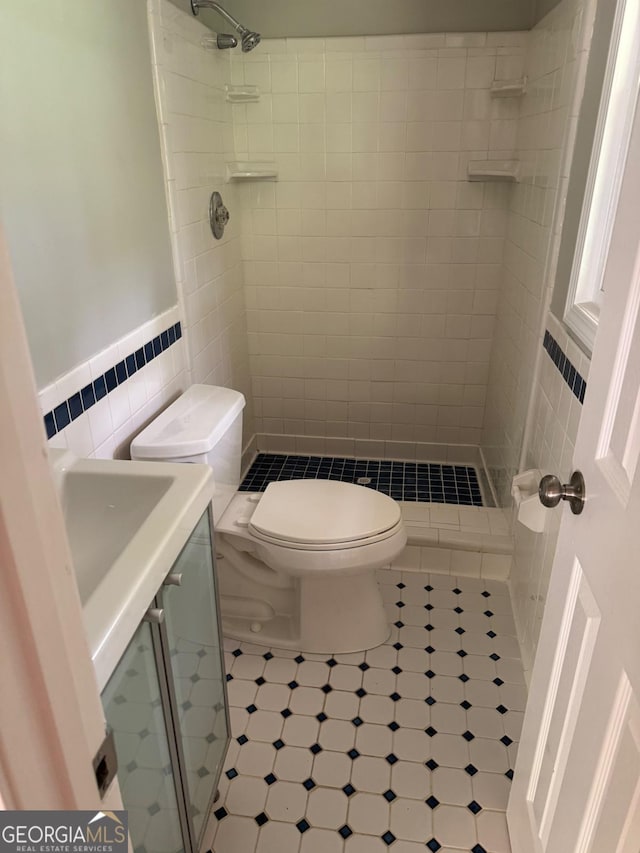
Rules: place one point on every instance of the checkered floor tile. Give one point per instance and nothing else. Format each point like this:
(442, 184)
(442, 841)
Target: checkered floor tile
(404, 481)
(407, 747)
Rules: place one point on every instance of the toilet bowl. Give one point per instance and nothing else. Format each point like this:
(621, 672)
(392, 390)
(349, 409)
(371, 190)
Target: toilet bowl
(295, 564)
(298, 565)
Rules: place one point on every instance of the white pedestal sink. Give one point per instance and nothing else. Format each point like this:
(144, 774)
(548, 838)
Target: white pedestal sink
(127, 523)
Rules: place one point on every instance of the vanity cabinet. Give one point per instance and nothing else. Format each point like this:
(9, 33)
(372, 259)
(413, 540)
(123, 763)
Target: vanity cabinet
(166, 703)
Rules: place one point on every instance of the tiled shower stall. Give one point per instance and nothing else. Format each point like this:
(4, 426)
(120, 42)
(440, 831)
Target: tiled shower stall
(372, 267)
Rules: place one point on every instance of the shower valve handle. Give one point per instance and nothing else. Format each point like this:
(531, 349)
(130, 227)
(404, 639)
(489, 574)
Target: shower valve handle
(218, 215)
(222, 215)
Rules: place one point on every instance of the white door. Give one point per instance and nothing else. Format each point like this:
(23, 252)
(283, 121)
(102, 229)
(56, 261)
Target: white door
(577, 781)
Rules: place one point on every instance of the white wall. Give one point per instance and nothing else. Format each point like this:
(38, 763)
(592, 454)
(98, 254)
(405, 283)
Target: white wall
(84, 204)
(81, 175)
(544, 145)
(372, 266)
(197, 139)
(523, 380)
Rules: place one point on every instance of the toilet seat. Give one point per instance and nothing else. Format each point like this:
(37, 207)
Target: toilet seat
(323, 515)
(335, 546)
(307, 560)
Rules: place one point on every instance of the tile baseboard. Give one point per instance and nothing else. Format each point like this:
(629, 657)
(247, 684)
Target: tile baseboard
(410, 451)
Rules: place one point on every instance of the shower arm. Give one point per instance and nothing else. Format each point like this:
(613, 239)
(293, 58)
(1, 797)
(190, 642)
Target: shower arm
(196, 5)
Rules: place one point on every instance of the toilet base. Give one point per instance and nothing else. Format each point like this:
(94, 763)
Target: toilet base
(277, 633)
(321, 600)
(344, 614)
(329, 616)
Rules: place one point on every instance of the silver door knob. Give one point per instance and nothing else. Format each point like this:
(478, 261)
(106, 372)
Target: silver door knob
(551, 491)
(174, 579)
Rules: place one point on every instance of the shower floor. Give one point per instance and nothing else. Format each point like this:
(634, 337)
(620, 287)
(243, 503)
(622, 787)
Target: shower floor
(404, 481)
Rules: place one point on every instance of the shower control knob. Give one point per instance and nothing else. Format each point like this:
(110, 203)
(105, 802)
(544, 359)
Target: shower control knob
(551, 491)
(222, 215)
(218, 215)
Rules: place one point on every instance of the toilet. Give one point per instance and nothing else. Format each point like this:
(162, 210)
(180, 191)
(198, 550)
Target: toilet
(296, 563)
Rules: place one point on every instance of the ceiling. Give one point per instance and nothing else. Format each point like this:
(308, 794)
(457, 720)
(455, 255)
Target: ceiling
(323, 18)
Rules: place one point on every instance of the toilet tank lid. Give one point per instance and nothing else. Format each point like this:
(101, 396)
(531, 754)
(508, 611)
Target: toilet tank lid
(192, 425)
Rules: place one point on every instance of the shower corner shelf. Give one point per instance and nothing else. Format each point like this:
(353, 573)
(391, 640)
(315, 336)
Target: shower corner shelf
(509, 88)
(242, 94)
(242, 170)
(493, 170)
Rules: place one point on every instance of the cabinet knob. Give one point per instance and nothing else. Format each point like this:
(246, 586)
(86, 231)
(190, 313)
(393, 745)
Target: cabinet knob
(155, 615)
(173, 580)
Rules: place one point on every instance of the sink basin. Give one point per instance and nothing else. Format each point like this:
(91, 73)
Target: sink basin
(126, 524)
(103, 513)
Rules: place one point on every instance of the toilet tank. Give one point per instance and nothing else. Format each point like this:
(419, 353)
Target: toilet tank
(203, 425)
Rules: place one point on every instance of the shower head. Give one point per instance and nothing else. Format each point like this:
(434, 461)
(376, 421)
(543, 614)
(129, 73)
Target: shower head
(248, 39)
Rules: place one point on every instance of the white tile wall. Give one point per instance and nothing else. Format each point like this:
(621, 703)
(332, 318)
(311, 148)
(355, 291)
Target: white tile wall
(106, 429)
(457, 540)
(365, 448)
(372, 266)
(523, 381)
(556, 54)
(197, 139)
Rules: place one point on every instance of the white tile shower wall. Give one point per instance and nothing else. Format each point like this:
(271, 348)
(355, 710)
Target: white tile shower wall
(105, 430)
(555, 67)
(197, 140)
(368, 448)
(555, 64)
(372, 266)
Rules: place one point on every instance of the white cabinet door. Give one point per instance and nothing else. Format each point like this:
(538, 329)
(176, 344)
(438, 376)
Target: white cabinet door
(577, 781)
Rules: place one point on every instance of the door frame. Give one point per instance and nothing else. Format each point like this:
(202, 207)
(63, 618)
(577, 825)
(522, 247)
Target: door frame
(51, 719)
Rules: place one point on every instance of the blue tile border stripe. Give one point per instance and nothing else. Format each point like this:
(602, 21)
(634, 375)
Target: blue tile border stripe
(570, 375)
(57, 419)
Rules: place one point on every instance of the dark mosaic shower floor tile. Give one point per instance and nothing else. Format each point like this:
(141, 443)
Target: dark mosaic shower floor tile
(404, 481)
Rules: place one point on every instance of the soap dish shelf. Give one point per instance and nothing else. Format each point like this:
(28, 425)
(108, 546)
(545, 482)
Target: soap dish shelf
(243, 170)
(242, 94)
(493, 170)
(509, 88)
